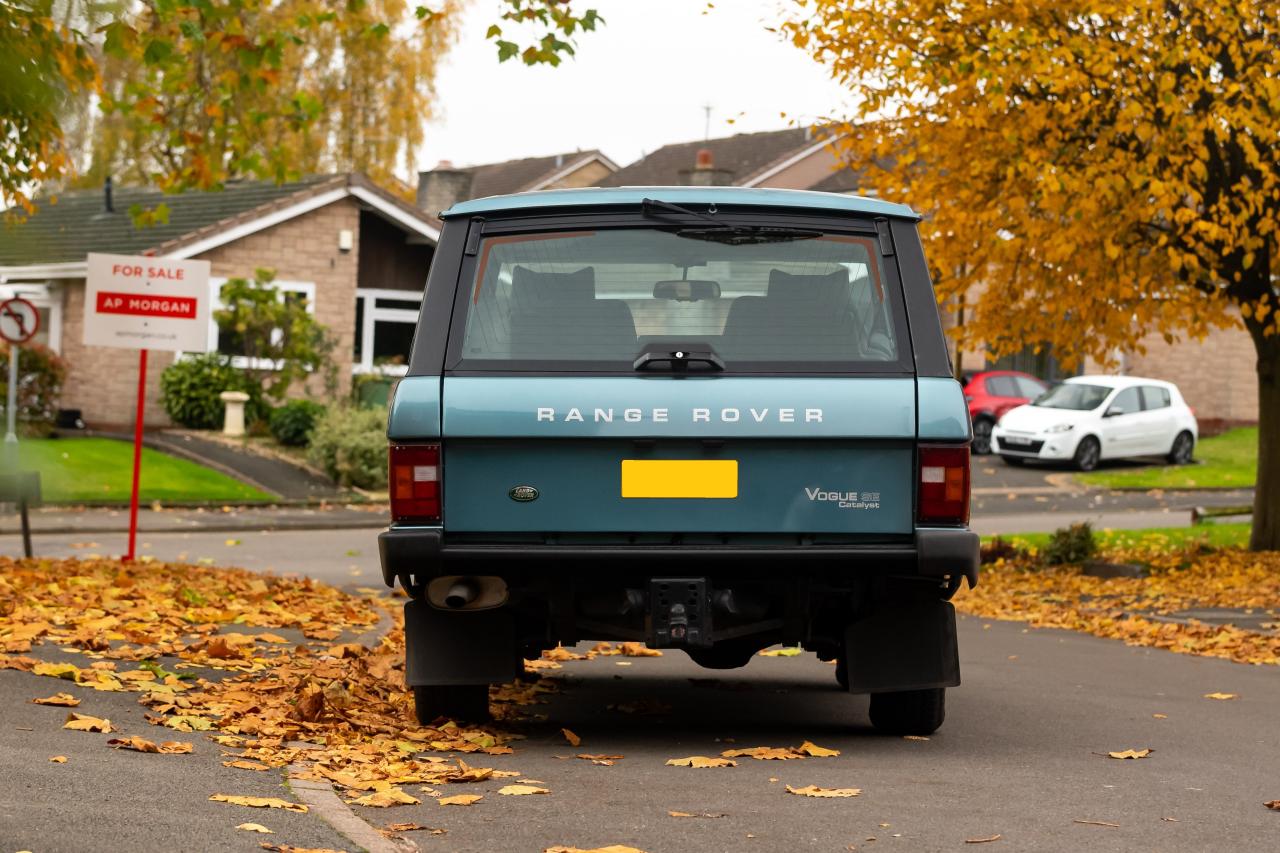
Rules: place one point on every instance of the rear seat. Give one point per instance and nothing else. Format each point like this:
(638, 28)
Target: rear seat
(547, 308)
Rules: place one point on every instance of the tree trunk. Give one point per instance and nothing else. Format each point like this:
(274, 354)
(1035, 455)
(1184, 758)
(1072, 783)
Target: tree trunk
(1266, 498)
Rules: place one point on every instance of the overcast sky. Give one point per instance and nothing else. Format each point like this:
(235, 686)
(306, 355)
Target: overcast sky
(637, 83)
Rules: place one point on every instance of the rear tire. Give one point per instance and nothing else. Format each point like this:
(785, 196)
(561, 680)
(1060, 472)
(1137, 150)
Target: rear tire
(1088, 453)
(468, 702)
(1183, 445)
(909, 712)
(982, 436)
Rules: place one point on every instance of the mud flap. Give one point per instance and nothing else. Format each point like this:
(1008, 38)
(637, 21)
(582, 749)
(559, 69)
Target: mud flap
(908, 645)
(444, 647)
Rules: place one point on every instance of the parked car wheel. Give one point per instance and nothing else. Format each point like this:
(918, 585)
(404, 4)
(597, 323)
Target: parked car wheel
(909, 712)
(469, 702)
(1088, 453)
(1180, 453)
(982, 436)
(1015, 461)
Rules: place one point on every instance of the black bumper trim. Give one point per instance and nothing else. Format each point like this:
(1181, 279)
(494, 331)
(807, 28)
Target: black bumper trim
(405, 551)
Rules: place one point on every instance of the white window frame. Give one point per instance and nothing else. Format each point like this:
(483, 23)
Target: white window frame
(41, 294)
(372, 314)
(307, 288)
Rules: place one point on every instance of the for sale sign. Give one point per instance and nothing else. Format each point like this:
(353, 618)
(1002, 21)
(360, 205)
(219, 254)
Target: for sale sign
(141, 302)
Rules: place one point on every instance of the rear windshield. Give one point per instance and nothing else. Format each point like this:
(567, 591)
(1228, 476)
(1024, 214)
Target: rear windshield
(1073, 395)
(587, 298)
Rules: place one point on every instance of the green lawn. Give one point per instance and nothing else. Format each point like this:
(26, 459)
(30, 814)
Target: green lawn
(1218, 535)
(80, 470)
(1227, 460)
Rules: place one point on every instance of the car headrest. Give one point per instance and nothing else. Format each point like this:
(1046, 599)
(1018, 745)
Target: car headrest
(577, 286)
(826, 289)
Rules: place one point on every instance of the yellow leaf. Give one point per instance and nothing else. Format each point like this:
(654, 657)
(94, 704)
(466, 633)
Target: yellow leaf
(390, 797)
(1222, 695)
(259, 802)
(815, 791)
(521, 790)
(68, 671)
(1130, 753)
(59, 759)
(810, 748)
(241, 764)
(1272, 804)
(612, 848)
(781, 653)
(460, 800)
(254, 827)
(701, 761)
(573, 739)
(639, 650)
(66, 700)
(763, 753)
(85, 723)
(189, 723)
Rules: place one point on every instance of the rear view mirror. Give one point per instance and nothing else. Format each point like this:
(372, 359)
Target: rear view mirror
(1114, 411)
(686, 290)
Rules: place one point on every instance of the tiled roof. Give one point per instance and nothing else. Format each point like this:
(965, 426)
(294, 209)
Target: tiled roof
(516, 175)
(743, 155)
(66, 228)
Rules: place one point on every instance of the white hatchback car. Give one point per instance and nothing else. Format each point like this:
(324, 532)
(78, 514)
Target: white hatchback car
(1090, 418)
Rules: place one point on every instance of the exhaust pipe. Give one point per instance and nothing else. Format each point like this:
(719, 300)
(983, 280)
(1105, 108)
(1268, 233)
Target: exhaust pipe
(465, 592)
(461, 593)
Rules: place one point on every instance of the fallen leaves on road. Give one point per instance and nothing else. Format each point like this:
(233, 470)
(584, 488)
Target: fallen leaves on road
(254, 827)
(383, 799)
(612, 848)
(58, 759)
(521, 790)
(1222, 696)
(460, 800)
(789, 652)
(85, 723)
(65, 700)
(698, 814)
(1130, 753)
(285, 848)
(138, 744)
(638, 650)
(241, 764)
(408, 826)
(700, 761)
(815, 791)
(986, 840)
(1273, 804)
(599, 758)
(259, 802)
(573, 739)
(1097, 823)
(808, 749)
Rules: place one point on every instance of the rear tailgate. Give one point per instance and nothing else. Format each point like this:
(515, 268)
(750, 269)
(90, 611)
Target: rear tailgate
(667, 454)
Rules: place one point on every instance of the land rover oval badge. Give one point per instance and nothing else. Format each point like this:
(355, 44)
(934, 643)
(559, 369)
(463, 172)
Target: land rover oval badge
(523, 494)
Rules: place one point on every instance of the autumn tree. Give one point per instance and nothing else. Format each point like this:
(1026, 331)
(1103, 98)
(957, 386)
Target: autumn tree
(191, 93)
(1096, 170)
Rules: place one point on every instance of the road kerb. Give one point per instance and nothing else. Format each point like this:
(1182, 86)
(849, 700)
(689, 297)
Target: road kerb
(329, 807)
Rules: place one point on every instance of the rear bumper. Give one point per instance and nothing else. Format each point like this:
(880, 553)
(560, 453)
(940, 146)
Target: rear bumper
(427, 552)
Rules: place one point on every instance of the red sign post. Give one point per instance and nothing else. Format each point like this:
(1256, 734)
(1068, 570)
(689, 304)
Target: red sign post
(145, 303)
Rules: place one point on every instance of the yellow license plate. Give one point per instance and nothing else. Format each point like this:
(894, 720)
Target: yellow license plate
(679, 478)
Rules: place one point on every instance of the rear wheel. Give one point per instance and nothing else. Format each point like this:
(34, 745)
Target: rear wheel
(469, 702)
(982, 436)
(1180, 453)
(1088, 452)
(909, 712)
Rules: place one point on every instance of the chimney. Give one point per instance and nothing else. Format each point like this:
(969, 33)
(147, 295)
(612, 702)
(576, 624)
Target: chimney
(704, 172)
(108, 203)
(442, 187)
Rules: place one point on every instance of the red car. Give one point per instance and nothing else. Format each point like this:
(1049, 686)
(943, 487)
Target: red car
(992, 393)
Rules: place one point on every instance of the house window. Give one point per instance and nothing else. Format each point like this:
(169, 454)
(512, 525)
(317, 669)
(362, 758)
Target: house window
(47, 300)
(385, 322)
(230, 342)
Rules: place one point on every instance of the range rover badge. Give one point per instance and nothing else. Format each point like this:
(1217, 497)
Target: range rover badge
(523, 494)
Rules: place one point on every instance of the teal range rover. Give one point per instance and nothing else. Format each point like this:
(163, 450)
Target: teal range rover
(708, 419)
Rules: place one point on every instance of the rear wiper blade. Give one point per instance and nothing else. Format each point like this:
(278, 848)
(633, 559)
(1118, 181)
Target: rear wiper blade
(745, 235)
(722, 232)
(677, 358)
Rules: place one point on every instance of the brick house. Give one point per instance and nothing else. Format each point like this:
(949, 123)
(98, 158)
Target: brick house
(355, 253)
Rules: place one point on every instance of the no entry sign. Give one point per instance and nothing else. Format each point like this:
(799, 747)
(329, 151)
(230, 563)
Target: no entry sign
(140, 302)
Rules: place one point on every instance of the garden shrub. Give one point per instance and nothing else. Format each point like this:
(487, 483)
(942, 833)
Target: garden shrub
(191, 387)
(350, 445)
(1073, 544)
(1000, 548)
(291, 423)
(41, 373)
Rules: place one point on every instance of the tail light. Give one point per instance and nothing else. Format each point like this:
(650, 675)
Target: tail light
(414, 471)
(944, 485)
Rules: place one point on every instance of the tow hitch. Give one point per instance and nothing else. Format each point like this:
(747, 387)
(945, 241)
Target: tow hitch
(679, 613)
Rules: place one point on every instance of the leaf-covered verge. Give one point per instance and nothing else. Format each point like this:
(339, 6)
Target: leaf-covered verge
(1020, 587)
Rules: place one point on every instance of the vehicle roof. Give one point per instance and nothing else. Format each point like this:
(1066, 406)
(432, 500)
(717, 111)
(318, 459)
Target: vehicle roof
(633, 196)
(1118, 381)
